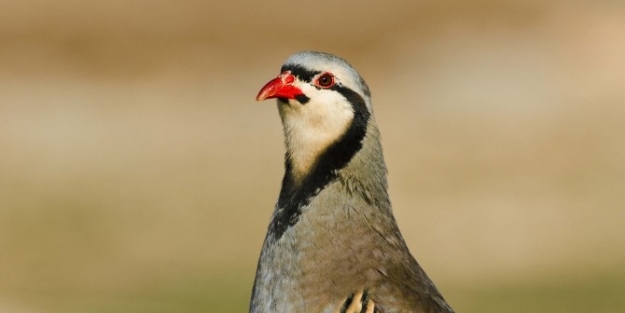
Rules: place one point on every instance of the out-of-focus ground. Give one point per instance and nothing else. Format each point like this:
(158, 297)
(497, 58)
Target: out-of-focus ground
(138, 174)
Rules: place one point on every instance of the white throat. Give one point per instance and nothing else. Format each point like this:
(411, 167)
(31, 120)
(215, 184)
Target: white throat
(310, 128)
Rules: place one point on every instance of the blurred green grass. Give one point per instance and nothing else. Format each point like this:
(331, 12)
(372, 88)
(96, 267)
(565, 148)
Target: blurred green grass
(230, 291)
(600, 293)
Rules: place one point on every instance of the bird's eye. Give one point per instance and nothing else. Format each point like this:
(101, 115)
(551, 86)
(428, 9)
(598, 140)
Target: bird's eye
(325, 81)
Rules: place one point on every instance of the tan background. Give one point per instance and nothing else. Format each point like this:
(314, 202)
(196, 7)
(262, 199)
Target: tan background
(138, 174)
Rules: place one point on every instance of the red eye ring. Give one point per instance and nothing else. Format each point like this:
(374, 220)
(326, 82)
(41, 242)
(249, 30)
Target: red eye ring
(325, 80)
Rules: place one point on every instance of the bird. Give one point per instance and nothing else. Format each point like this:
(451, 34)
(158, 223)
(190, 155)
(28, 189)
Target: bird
(333, 244)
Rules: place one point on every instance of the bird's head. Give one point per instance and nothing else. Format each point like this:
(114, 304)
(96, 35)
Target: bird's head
(325, 108)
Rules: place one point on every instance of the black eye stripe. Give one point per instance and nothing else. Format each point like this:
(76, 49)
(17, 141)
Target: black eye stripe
(300, 72)
(306, 75)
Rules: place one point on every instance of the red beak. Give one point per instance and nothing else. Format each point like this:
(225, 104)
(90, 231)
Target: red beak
(280, 87)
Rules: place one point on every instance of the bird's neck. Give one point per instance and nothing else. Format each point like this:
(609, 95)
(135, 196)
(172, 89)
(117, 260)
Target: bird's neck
(354, 169)
(365, 175)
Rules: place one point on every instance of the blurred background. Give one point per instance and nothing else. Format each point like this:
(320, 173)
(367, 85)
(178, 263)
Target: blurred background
(138, 174)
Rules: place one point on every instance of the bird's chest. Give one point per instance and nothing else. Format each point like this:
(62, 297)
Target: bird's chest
(312, 267)
(278, 280)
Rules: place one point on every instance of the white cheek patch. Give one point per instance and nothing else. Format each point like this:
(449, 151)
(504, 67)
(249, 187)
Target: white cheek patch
(310, 128)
